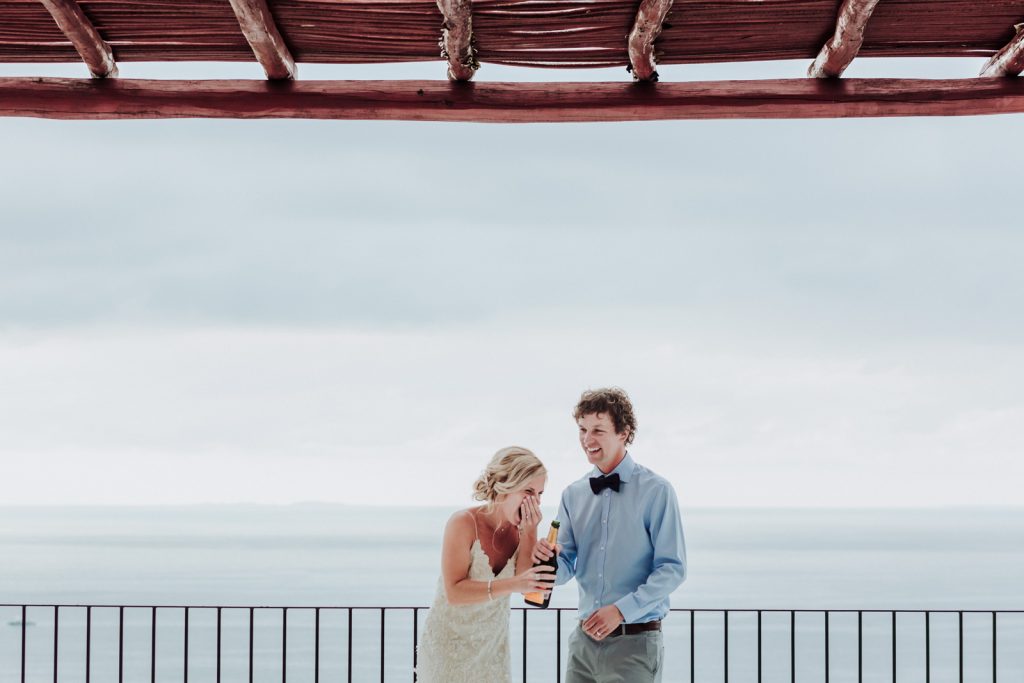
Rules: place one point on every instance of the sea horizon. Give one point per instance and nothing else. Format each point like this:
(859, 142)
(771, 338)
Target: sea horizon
(456, 506)
(307, 555)
(311, 552)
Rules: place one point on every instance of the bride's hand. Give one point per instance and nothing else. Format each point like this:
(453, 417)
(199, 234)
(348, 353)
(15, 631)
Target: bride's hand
(530, 514)
(540, 578)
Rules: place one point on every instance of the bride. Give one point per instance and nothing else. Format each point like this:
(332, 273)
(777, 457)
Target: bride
(485, 558)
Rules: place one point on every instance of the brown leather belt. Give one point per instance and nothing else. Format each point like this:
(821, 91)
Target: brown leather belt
(633, 629)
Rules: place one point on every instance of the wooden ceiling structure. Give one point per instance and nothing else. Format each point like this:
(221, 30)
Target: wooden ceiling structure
(463, 34)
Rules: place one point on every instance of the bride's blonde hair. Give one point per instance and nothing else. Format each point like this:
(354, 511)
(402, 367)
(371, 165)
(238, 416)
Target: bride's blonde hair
(509, 470)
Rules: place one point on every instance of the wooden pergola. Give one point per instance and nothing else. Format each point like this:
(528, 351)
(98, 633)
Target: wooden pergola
(538, 33)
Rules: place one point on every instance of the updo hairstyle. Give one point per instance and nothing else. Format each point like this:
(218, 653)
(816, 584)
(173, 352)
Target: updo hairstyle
(509, 470)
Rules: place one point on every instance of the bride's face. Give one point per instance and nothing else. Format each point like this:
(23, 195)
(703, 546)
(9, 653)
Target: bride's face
(510, 504)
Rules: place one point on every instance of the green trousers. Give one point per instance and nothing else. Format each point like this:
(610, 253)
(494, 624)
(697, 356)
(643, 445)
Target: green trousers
(623, 659)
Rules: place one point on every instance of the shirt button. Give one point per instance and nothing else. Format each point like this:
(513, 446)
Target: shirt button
(604, 521)
(600, 575)
(602, 547)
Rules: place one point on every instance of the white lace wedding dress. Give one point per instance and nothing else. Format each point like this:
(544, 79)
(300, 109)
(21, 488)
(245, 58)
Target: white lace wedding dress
(468, 643)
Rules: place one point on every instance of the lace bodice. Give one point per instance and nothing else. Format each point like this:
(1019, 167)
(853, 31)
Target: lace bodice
(468, 643)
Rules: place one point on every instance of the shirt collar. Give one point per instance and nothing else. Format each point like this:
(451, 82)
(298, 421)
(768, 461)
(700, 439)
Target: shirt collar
(624, 469)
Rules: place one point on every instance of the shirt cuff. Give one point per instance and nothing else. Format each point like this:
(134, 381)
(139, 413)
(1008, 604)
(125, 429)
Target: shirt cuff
(631, 611)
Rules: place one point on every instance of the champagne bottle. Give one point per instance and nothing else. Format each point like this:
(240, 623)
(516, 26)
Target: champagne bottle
(538, 599)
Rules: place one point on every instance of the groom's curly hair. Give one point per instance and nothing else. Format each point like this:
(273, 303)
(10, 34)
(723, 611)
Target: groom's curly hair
(612, 401)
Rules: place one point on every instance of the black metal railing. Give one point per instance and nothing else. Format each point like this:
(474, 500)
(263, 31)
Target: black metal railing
(86, 643)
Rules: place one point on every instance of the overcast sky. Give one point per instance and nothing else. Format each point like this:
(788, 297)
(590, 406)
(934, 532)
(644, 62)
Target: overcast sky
(805, 312)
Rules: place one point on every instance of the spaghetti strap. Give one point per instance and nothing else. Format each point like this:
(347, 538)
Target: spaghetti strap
(475, 527)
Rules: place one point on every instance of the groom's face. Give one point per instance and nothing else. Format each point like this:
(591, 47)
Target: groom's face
(602, 445)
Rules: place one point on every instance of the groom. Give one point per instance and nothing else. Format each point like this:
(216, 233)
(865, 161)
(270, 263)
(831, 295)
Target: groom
(622, 538)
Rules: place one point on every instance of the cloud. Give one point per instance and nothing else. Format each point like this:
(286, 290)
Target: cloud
(280, 415)
(816, 312)
(851, 228)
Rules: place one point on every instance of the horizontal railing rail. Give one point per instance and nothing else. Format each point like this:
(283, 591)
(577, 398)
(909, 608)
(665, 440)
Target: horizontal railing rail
(58, 642)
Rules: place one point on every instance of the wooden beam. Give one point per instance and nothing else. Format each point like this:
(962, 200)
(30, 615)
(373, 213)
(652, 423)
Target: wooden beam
(60, 98)
(650, 18)
(94, 51)
(457, 39)
(1009, 61)
(839, 51)
(260, 29)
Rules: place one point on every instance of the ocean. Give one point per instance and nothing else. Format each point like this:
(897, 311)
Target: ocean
(342, 556)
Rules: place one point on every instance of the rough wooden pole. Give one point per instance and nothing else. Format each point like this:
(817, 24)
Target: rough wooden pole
(59, 98)
(650, 18)
(457, 39)
(260, 29)
(1009, 61)
(840, 50)
(94, 51)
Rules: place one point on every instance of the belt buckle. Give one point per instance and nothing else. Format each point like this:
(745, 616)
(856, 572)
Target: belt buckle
(620, 630)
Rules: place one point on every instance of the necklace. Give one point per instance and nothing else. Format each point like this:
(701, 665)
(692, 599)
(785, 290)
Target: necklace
(497, 534)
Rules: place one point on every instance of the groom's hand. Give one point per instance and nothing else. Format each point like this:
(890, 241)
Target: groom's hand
(602, 622)
(544, 551)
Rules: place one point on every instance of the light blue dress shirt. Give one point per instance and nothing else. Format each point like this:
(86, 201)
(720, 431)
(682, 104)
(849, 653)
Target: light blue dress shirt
(625, 548)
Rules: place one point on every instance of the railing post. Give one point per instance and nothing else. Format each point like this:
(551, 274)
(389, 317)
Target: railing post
(860, 647)
(960, 651)
(792, 646)
(218, 644)
(186, 644)
(725, 654)
(284, 645)
(995, 659)
(56, 632)
(252, 619)
(524, 644)
(759, 646)
(120, 644)
(558, 646)
(152, 647)
(24, 624)
(927, 647)
(894, 647)
(827, 643)
(415, 640)
(88, 643)
(693, 639)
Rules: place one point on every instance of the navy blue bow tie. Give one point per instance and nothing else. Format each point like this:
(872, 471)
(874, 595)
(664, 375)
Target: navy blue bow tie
(598, 484)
